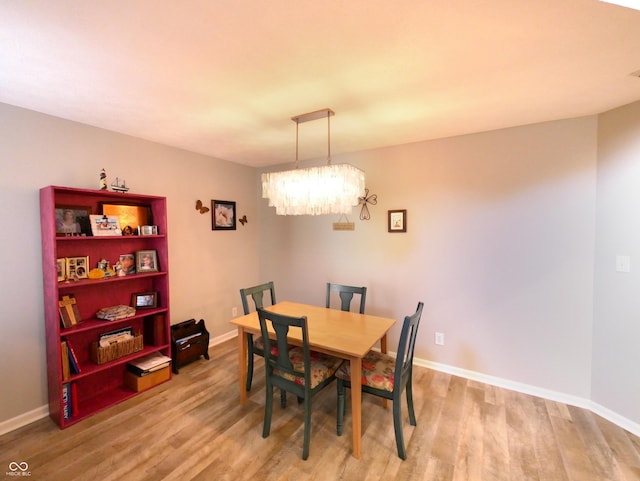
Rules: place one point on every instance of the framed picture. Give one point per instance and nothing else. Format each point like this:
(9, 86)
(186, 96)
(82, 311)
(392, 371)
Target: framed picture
(103, 225)
(62, 269)
(146, 261)
(72, 220)
(223, 215)
(130, 216)
(127, 264)
(77, 267)
(398, 220)
(144, 300)
(148, 230)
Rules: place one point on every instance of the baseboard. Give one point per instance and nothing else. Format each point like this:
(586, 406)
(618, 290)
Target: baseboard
(24, 419)
(615, 418)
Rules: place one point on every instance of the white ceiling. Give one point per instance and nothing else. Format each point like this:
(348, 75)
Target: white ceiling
(224, 77)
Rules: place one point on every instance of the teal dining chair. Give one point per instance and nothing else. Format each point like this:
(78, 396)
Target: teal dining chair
(294, 369)
(255, 347)
(387, 376)
(346, 294)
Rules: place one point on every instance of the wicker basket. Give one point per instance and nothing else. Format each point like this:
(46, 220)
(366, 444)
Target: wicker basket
(100, 355)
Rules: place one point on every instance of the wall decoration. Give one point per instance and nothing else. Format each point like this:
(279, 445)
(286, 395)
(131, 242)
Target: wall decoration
(363, 201)
(223, 216)
(398, 220)
(72, 220)
(243, 220)
(201, 208)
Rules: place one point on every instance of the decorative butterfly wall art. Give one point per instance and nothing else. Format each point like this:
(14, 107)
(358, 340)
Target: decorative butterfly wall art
(201, 208)
(243, 220)
(363, 201)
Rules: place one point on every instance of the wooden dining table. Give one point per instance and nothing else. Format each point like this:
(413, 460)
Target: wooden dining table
(348, 335)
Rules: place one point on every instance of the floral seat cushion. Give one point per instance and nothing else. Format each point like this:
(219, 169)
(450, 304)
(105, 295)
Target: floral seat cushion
(258, 345)
(322, 367)
(377, 371)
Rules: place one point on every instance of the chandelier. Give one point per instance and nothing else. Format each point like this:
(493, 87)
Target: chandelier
(330, 189)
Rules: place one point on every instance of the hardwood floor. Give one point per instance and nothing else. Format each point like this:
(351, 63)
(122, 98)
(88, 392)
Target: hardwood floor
(193, 428)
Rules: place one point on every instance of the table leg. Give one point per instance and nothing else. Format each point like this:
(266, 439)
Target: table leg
(356, 404)
(242, 364)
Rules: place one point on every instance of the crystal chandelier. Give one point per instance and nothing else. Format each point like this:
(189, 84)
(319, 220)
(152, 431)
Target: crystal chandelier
(330, 189)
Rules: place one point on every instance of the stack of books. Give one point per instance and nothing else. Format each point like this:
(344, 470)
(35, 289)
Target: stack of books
(148, 364)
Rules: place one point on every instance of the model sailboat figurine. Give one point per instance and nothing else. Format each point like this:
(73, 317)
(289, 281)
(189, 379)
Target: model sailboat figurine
(119, 186)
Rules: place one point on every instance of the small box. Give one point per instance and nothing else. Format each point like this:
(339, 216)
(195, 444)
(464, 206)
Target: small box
(141, 383)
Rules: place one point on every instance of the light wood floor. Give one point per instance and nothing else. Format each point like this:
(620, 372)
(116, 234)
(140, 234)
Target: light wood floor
(193, 428)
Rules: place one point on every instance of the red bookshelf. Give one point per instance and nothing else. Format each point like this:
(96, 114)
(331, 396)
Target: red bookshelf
(99, 386)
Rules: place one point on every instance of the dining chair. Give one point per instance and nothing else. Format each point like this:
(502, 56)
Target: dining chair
(255, 347)
(346, 295)
(293, 369)
(386, 376)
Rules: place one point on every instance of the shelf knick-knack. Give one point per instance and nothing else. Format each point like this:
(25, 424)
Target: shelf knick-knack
(103, 180)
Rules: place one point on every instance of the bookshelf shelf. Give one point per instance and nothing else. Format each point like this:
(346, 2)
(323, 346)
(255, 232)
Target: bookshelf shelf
(99, 386)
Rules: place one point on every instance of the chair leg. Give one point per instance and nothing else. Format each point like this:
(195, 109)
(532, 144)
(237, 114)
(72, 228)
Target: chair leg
(341, 408)
(412, 414)
(283, 398)
(249, 369)
(307, 426)
(268, 408)
(397, 426)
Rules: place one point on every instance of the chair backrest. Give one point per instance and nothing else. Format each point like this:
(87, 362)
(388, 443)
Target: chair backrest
(406, 346)
(346, 295)
(257, 294)
(282, 362)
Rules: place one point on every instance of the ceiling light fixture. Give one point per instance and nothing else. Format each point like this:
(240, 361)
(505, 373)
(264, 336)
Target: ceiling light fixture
(330, 189)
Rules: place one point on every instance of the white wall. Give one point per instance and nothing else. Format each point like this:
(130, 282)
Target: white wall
(206, 267)
(500, 247)
(617, 302)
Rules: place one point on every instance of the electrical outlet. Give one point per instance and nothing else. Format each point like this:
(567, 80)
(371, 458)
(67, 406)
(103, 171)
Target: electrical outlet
(439, 338)
(234, 311)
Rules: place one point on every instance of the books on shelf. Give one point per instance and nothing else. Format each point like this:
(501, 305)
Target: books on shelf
(69, 313)
(64, 354)
(74, 364)
(69, 400)
(148, 364)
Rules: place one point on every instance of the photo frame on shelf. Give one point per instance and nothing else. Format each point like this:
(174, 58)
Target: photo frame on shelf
(144, 300)
(148, 230)
(131, 216)
(61, 265)
(77, 267)
(397, 220)
(127, 264)
(72, 220)
(223, 215)
(146, 261)
(103, 225)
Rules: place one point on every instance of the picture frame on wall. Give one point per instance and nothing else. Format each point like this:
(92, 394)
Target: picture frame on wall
(72, 220)
(223, 215)
(397, 220)
(146, 261)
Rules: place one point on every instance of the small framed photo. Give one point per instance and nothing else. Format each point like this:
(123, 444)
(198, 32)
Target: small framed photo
(72, 220)
(105, 225)
(148, 230)
(77, 267)
(146, 261)
(144, 300)
(398, 220)
(127, 264)
(223, 215)
(62, 269)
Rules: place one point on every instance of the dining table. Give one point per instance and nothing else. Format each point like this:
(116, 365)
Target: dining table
(347, 335)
